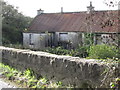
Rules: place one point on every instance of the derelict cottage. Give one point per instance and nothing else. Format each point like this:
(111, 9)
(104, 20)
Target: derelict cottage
(68, 29)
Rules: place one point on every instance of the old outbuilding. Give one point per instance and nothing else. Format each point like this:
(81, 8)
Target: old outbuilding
(68, 29)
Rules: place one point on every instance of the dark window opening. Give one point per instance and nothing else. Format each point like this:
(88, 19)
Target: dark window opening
(31, 39)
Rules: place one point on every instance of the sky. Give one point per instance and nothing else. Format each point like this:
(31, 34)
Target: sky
(30, 7)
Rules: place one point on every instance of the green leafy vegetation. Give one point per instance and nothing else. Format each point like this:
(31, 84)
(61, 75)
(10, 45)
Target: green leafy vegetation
(88, 39)
(27, 78)
(103, 52)
(93, 52)
(78, 52)
(13, 24)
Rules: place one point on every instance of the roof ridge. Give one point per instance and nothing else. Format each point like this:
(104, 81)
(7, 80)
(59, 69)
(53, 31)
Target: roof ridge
(78, 12)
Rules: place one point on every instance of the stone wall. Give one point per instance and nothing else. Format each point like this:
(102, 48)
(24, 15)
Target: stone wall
(69, 70)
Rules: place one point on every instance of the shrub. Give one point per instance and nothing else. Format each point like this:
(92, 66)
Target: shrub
(103, 52)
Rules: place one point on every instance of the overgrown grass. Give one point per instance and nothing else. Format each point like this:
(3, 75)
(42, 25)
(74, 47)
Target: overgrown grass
(27, 78)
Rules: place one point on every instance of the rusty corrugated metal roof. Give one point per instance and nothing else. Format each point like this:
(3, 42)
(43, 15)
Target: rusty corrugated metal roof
(98, 21)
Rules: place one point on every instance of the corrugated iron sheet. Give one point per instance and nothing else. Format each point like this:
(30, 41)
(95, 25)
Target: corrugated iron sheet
(74, 22)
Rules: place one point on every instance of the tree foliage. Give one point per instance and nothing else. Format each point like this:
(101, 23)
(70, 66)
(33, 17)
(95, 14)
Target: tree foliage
(13, 24)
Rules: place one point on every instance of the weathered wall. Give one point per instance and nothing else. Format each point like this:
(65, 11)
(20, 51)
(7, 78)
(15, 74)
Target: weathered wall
(39, 40)
(42, 40)
(26, 39)
(67, 69)
(73, 39)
